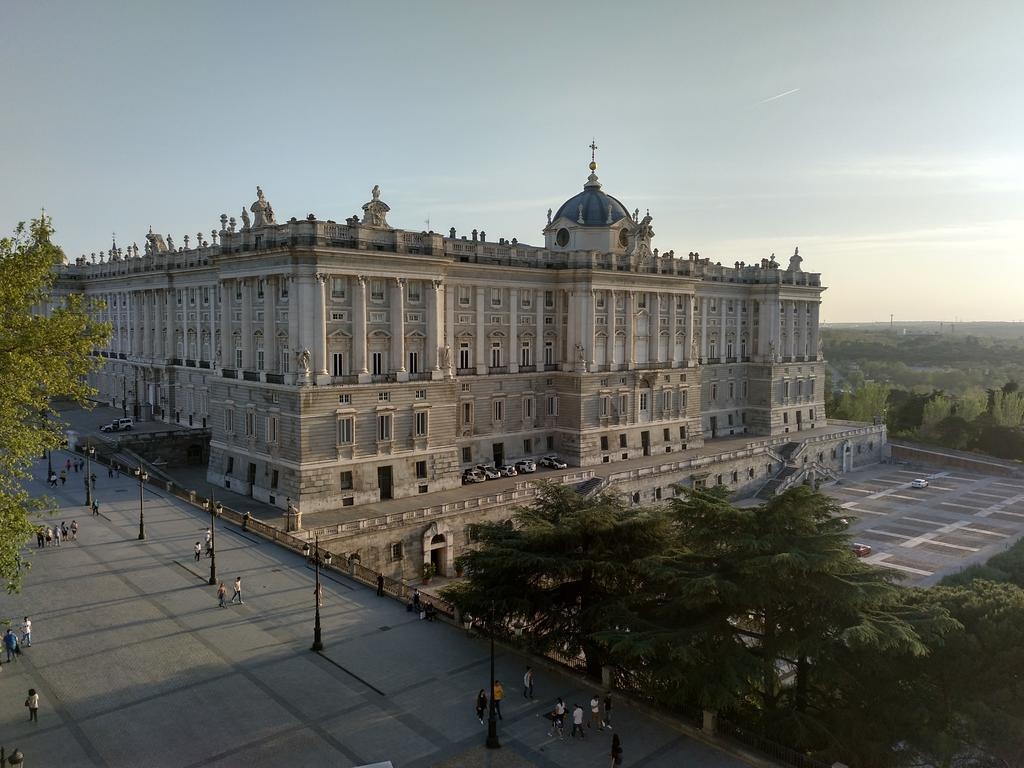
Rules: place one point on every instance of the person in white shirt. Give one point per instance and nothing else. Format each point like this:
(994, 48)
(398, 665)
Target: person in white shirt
(577, 721)
(595, 713)
(558, 718)
(26, 632)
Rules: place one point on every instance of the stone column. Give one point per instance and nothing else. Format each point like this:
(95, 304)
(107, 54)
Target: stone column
(318, 338)
(227, 359)
(672, 320)
(359, 330)
(147, 325)
(133, 324)
(247, 345)
(538, 342)
(449, 331)
(590, 320)
(398, 329)
(791, 324)
(737, 346)
(654, 328)
(688, 338)
(292, 352)
(213, 325)
(269, 325)
(630, 352)
(434, 329)
(704, 302)
(815, 329)
(481, 332)
(513, 330)
(569, 335)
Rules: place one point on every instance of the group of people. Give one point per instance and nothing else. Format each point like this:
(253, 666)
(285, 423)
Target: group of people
(53, 535)
(12, 644)
(600, 713)
(423, 608)
(71, 464)
(222, 591)
(198, 549)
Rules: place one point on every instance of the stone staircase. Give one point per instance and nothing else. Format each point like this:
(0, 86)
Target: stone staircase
(775, 485)
(590, 487)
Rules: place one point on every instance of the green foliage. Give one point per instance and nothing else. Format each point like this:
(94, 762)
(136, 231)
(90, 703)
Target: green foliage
(865, 403)
(42, 357)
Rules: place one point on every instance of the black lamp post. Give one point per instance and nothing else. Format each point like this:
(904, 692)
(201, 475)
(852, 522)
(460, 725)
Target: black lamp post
(492, 723)
(215, 507)
(318, 644)
(90, 453)
(143, 476)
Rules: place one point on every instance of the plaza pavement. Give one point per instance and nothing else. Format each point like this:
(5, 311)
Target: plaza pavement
(137, 666)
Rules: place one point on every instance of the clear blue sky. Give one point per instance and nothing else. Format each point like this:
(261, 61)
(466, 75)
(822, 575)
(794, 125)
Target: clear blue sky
(895, 159)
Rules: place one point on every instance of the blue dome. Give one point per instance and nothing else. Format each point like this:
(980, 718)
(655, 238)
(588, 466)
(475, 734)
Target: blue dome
(595, 206)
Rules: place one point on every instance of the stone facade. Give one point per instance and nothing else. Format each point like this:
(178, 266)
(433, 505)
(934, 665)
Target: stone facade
(341, 364)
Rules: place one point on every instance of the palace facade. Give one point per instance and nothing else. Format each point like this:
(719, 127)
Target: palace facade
(339, 364)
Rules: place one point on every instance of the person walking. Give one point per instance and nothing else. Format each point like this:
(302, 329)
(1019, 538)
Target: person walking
(56, 535)
(222, 591)
(32, 702)
(26, 632)
(528, 683)
(67, 465)
(577, 721)
(238, 591)
(595, 713)
(11, 644)
(74, 530)
(49, 535)
(110, 470)
(209, 543)
(197, 551)
(499, 694)
(40, 537)
(616, 753)
(481, 705)
(95, 507)
(558, 719)
(380, 584)
(63, 476)
(608, 710)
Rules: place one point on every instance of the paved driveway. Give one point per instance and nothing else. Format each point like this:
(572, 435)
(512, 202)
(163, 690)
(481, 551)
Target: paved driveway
(925, 533)
(137, 666)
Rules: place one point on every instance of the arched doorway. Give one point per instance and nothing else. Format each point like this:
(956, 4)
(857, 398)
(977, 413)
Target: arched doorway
(438, 548)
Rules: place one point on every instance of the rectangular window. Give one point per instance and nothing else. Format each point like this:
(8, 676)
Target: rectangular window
(549, 299)
(605, 405)
(682, 432)
(414, 362)
(732, 390)
(345, 431)
(552, 405)
(527, 407)
(229, 421)
(271, 429)
(421, 470)
(231, 465)
(345, 481)
(464, 295)
(604, 442)
(259, 359)
(259, 289)
(413, 287)
(495, 354)
(714, 392)
(345, 399)
(467, 414)
(643, 401)
(498, 410)
(339, 287)
(395, 551)
(421, 424)
(384, 426)
(526, 299)
(622, 440)
(549, 352)
(623, 403)
(495, 297)
(527, 446)
(338, 364)
(238, 357)
(383, 397)
(526, 353)
(377, 291)
(665, 435)
(250, 424)
(421, 394)
(467, 455)
(274, 476)
(378, 363)
(465, 359)
(785, 389)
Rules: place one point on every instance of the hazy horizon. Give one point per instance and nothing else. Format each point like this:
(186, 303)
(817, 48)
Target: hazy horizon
(883, 140)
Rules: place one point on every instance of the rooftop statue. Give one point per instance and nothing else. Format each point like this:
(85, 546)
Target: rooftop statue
(375, 212)
(264, 213)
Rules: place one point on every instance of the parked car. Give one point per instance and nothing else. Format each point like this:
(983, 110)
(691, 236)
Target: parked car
(473, 476)
(553, 462)
(860, 550)
(118, 425)
(526, 465)
(489, 472)
(919, 483)
(507, 470)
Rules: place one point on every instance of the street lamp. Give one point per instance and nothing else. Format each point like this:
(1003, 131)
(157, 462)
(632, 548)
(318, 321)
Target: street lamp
(215, 508)
(492, 724)
(143, 476)
(90, 454)
(317, 560)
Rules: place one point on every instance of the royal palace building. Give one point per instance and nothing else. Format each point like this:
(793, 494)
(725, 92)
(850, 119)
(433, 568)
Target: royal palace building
(346, 363)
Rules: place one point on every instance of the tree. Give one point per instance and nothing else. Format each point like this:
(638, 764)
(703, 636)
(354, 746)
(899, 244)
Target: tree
(43, 356)
(562, 569)
(866, 403)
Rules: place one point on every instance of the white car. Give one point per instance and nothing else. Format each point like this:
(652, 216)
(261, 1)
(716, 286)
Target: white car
(507, 470)
(473, 476)
(489, 472)
(118, 425)
(553, 462)
(919, 483)
(526, 465)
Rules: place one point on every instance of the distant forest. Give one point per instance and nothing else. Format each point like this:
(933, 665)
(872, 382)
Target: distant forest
(956, 385)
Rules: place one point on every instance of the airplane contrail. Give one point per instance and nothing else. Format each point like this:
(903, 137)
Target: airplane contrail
(778, 96)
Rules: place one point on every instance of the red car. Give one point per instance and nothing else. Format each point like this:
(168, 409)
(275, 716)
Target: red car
(860, 550)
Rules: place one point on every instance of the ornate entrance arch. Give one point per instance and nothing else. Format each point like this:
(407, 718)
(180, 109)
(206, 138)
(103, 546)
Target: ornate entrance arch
(439, 548)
